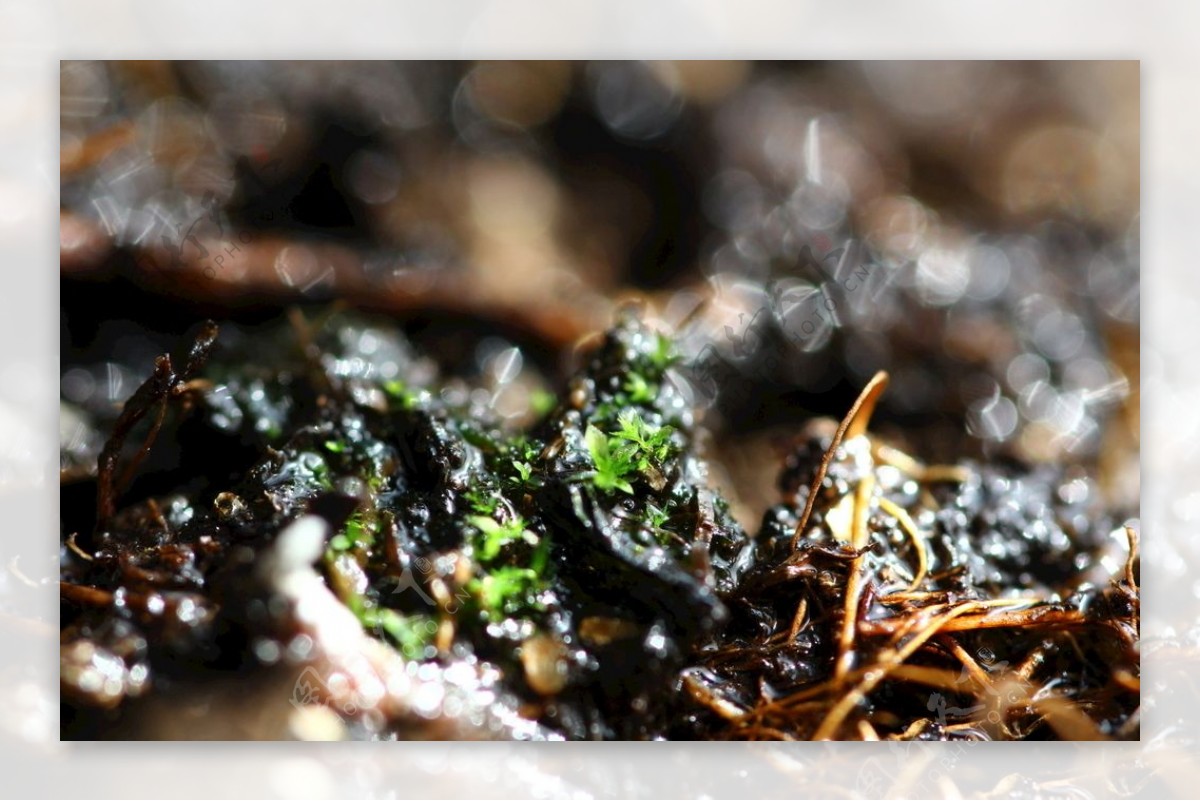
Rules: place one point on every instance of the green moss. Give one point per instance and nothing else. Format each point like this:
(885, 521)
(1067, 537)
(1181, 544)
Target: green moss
(663, 355)
(613, 466)
(487, 442)
(359, 531)
(508, 591)
(639, 389)
(483, 500)
(636, 448)
(653, 443)
(411, 634)
(404, 396)
(494, 536)
(524, 470)
(593, 509)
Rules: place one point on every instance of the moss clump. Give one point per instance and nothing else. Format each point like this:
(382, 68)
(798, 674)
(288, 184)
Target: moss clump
(457, 537)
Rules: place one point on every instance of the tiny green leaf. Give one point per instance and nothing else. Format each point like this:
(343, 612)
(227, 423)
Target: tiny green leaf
(495, 535)
(664, 352)
(639, 390)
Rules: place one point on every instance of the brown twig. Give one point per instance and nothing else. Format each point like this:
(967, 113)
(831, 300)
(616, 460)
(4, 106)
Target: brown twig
(1045, 616)
(855, 578)
(853, 424)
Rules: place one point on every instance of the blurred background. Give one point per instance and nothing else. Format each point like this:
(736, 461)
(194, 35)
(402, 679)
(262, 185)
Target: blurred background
(971, 227)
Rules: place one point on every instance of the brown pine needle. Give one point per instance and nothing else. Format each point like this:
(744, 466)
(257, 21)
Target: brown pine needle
(938, 678)
(80, 594)
(854, 582)
(1032, 662)
(886, 664)
(974, 669)
(135, 461)
(1131, 560)
(1041, 615)
(944, 474)
(853, 424)
(914, 730)
(1127, 680)
(867, 732)
(918, 541)
(893, 598)
(798, 619)
(1067, 719)
(74, 546)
